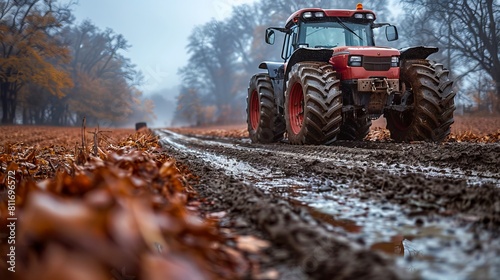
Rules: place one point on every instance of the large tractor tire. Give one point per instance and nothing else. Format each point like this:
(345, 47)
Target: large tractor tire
(313, 104)
(355, 128)
(427, 88)
(264, 123)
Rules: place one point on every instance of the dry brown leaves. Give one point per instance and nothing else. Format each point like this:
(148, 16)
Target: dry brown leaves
(123, 214)
(383, 135)
(475, 129)
(234, 131)
(474, 137)
(378, 134)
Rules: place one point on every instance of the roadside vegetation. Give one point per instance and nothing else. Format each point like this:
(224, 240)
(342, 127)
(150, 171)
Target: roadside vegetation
(109, 205)
(55, 72)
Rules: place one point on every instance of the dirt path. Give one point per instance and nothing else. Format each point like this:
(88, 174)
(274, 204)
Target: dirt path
(358, 209)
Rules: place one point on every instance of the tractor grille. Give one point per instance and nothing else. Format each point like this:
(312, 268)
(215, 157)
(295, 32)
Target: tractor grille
(374, 63)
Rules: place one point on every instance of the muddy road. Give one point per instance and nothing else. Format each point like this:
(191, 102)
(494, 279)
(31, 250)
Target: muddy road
(357, 209)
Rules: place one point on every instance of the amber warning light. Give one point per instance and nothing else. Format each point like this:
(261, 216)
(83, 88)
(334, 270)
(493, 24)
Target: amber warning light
(359, 6)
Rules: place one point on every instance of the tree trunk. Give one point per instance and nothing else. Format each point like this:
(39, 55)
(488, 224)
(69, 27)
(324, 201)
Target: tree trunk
(58, 111)
(498, 96)
(25, 120)
(9, 102)
(5, 104)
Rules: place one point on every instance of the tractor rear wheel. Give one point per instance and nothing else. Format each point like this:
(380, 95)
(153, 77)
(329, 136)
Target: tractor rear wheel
(429, 93)
(313, 104)
(264, 123)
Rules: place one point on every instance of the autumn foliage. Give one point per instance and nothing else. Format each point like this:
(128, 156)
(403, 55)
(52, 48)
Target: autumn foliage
(54, 72)
(126, 212)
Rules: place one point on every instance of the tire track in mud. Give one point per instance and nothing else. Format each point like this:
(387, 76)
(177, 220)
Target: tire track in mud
(439, 204)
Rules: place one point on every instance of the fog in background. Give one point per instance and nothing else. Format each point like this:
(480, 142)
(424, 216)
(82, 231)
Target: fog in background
(120, 61)
(158, 33)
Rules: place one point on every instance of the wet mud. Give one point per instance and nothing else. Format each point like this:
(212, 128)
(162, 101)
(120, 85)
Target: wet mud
(365, 210)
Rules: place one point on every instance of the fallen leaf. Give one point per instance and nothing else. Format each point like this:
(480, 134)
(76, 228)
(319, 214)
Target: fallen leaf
(251, 244)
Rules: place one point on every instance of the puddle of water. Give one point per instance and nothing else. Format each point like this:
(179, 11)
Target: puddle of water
(347, 225)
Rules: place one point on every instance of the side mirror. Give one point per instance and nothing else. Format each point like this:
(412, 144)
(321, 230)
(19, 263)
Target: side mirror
(391, 32)
(270, 36)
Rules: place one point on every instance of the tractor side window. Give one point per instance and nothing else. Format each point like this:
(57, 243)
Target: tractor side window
(286, 44)
(290, 43)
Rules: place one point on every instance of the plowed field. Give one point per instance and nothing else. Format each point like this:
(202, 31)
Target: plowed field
(207, 203)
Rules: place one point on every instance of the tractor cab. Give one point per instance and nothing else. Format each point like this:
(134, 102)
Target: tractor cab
(327, 29)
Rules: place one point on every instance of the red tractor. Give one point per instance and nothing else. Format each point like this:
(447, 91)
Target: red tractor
(334, 81)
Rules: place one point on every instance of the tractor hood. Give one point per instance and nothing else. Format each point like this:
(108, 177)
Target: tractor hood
(364, 62)
(366, 51)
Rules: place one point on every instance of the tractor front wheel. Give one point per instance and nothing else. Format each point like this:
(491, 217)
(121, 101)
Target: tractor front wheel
(313, 104)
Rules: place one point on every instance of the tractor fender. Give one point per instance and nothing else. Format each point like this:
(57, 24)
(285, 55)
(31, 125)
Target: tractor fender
(276, 72)
(419, 52)
(275, 69)
(309, 54)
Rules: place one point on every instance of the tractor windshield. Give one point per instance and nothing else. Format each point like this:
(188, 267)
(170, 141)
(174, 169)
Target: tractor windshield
(334, 34)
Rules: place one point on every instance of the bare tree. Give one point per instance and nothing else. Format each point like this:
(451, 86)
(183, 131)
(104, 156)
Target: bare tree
(467, 30)
(212, 64)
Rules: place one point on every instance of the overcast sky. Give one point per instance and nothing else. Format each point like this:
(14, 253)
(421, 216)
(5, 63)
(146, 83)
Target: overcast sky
(156, 29)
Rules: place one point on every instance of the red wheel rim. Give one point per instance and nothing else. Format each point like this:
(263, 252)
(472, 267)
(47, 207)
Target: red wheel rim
(296, 108)
(254, 110)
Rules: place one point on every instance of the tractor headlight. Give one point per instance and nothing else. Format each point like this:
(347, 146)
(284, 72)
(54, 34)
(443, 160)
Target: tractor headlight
(395, 61)
(313, 15)
(359, 16)
(370, 16)
(319, 14)
(355, 61)
(307, 15)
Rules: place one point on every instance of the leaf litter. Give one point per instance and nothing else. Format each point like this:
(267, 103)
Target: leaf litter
(116, 209)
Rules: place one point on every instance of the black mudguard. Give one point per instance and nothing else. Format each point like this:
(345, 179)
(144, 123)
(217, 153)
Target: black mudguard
(275, 69)
(420, 52)
(309, 54)
(276, 72)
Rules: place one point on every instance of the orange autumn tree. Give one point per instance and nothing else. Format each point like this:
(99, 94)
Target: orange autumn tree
(105, 89)
(30, 53)
(100, 101)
